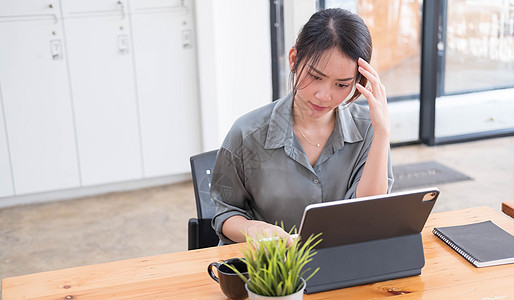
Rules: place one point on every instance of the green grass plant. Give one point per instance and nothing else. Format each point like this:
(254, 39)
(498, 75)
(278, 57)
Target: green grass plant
(275, 269)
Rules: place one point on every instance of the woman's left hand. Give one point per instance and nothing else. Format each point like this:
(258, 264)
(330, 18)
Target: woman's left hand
(376, 95)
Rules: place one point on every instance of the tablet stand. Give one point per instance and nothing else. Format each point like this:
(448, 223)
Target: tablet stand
(366, 262)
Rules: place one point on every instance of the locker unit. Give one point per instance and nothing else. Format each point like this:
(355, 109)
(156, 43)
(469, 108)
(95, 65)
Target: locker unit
(167, 85)
(6, 183)
(103, 88)
(37, 105)
(95, 92)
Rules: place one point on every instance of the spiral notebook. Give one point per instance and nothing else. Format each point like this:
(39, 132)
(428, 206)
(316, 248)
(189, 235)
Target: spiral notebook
(483, 244)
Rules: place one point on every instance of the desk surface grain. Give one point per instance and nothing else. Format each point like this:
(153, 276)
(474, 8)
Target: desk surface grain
(183, 275)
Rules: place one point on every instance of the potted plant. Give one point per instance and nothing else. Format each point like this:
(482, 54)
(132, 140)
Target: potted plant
(275, 269)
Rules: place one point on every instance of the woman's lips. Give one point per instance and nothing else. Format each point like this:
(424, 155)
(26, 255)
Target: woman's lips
(317, 108)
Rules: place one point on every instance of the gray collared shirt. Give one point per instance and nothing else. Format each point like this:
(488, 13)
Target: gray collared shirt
(262, 173)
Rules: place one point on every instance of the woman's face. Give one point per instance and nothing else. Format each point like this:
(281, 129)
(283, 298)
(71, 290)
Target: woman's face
(323, 87)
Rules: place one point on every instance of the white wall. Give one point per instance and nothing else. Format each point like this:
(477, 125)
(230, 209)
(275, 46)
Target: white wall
(234, 55)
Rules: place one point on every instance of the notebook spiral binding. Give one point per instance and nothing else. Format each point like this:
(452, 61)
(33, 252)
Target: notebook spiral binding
(454, 246)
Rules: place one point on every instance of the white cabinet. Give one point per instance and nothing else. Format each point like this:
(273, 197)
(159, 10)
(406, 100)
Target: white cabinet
(104, 97)
(29, 8)
(167, 86)
(72, 8)
(141, 6)
(6, 183)
(37, 107)
(95, 92)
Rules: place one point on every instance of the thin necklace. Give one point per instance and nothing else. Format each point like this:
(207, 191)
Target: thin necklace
(316, 145)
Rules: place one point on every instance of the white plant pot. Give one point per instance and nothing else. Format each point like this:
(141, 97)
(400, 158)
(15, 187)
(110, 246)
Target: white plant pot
(296, 296)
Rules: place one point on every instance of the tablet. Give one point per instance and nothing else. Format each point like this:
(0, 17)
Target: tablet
(351, 221)
(367, 240)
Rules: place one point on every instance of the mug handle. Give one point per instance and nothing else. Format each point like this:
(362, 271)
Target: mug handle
(209, 270)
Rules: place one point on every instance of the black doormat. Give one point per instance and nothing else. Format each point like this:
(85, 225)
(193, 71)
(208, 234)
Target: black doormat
(424, 174)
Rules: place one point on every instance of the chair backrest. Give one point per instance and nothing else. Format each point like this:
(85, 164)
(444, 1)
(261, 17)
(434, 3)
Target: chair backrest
(201, 171)
(200, 232)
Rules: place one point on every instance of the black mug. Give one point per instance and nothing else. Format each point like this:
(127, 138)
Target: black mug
(230, 283)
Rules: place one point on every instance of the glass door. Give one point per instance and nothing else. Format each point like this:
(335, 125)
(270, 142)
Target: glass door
(476, 82)
(395, 27)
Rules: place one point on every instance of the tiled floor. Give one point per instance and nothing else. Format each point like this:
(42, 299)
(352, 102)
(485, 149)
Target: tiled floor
(42, 237)
(490, 164)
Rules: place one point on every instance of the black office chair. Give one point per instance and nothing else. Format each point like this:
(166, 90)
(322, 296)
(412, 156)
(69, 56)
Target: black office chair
(200, 232)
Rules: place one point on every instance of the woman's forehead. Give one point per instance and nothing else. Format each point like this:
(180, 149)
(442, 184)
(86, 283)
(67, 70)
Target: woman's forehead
(333, 63)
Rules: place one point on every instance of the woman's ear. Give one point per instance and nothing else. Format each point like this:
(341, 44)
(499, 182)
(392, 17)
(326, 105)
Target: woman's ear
(292, 58)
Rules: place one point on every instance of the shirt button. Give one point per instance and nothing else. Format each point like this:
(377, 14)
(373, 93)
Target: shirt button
(315, 181)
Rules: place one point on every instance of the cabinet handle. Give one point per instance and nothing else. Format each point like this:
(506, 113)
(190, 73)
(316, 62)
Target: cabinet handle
(51, 6)
(56, 49)
(123, 44)
(122, 8)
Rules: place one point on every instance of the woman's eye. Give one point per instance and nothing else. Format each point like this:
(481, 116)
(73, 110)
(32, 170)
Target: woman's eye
(342, 85)
(314, 76)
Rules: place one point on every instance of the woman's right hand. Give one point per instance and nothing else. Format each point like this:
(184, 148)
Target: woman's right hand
(236, 227)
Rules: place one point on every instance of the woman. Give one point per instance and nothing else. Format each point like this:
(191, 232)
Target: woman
(311, 146)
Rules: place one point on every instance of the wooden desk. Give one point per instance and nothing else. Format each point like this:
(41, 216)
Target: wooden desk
(183, 275)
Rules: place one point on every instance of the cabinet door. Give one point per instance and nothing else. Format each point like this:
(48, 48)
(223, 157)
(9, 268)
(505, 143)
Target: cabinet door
(29, 8)
(72, 8)
(6, 183)
(138, 6)
(102, 80)
(37, 106)
(167, 86)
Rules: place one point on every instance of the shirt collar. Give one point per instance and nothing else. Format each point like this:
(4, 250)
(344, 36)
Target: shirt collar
(345, 129)
(280, 131)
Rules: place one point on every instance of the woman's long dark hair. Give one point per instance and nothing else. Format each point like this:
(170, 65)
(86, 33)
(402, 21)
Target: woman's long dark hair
(327, 29)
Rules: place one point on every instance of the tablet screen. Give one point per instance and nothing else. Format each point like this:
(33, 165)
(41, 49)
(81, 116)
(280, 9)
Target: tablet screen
(363, 219)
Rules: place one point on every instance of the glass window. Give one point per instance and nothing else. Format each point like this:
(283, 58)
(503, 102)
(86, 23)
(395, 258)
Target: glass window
(395, 27)
(479, 45)
(478, 68)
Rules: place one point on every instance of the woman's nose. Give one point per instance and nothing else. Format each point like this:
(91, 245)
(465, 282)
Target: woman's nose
(323, 94)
